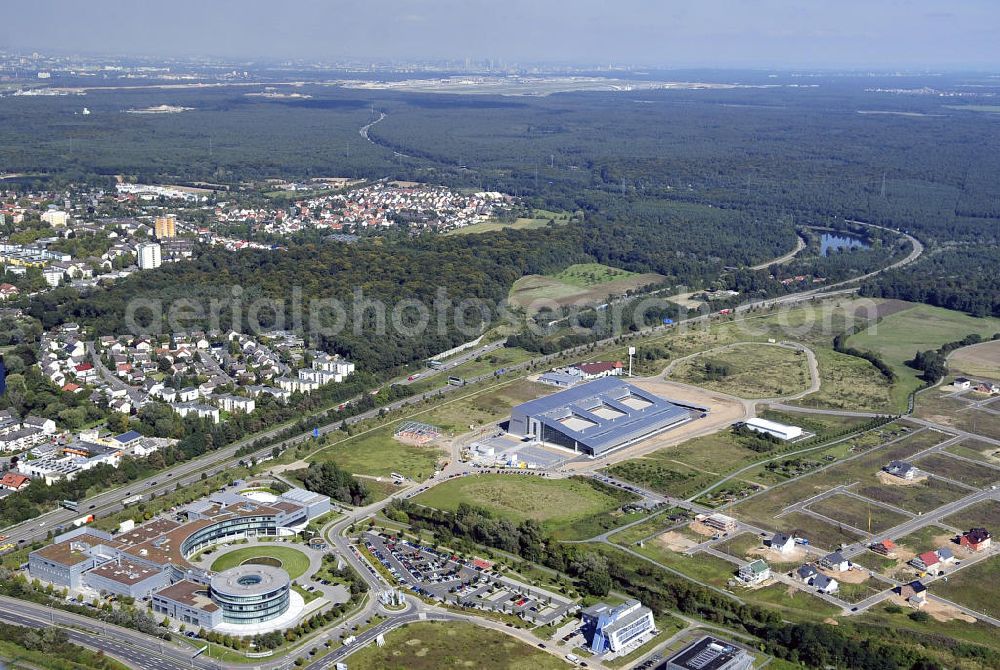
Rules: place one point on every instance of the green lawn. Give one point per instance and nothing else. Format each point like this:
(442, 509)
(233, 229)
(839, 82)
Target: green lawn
(966, 587)
(848, 382)
(748, 371)
(927, 538)
(293, 561)
(434, 646)
(858, 513)
(684, 469)
(538, 219)
(575, 508)
(985, 514)
(918, 328)
(584, 283)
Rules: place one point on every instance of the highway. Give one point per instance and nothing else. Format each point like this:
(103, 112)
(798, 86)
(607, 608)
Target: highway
(131, 647)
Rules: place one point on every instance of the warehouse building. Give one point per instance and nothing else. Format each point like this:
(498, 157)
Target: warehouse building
(778, 430)
(598, 417)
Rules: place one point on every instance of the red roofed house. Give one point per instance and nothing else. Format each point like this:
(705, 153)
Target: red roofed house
(8, 291)
(14, 481)
(85, 371)
(481, 564)
(885, 547)
(977, 539)
(72, 388)
(926, 560)
(596, 370)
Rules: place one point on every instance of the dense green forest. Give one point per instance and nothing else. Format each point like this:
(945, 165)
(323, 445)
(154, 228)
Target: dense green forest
(964, 278)
(681, 182)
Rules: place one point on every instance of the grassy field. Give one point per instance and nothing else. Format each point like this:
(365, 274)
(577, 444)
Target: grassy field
(687, 468)
(981, 360)
(539, 219)
(847, 382)
(959, 470)
(918, 498)
(581, 284)
(293, 561)
(927, 538)
(966, 587)
(495, 360)
(917, 328)
(985, 514)
(857, 513)
(754, 371)
(378, 454)
(569, 508)
(939, 406)
(434, 646)
(864, 467)
(977, 451)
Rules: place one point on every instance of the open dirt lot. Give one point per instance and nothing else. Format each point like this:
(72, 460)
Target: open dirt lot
(893, 480)
(674, 541)
(723, 412)
(938, 611)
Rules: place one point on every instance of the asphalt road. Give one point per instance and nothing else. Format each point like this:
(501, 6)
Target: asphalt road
(131, 647)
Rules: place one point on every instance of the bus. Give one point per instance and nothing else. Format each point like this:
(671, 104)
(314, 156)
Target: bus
(456, 381)
(70, 504)
(435, 365)
(396, 477)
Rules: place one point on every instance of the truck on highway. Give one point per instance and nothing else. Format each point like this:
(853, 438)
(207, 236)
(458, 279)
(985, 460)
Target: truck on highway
(83, 520)
(131, 500)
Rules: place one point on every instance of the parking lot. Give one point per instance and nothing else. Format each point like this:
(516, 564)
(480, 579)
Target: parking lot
(445, 578)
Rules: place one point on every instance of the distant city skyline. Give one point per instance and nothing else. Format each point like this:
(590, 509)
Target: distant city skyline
(662, 33)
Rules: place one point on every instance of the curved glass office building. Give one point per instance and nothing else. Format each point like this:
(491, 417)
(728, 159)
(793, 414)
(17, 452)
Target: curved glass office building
(251, 594)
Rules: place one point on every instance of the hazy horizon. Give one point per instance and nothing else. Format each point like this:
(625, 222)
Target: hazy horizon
(891, 34)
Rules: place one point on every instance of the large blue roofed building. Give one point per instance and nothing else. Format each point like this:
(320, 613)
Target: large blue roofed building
(598, 417)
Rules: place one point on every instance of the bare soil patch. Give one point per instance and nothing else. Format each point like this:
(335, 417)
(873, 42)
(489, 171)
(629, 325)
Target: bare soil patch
(675, 542)
(893, 480)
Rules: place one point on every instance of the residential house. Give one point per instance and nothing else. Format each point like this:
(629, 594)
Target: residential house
(976, 539)
(914, 593)
(836, 562)
(962, 383)
(926, 561)
(14, 481)
(885, 548)
(754, 572)
(825, 584)
(805, 573)
(782, 543)
(47, 426)
(8, 291)
(901, 469)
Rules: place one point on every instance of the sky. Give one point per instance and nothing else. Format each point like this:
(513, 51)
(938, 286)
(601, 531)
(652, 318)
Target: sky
(880, 34)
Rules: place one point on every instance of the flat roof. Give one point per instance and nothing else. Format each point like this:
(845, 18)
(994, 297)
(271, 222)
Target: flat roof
(708, 653)
(66, 552)
(250, 580)
(125, 572)
(189, 593)
(576, 413)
